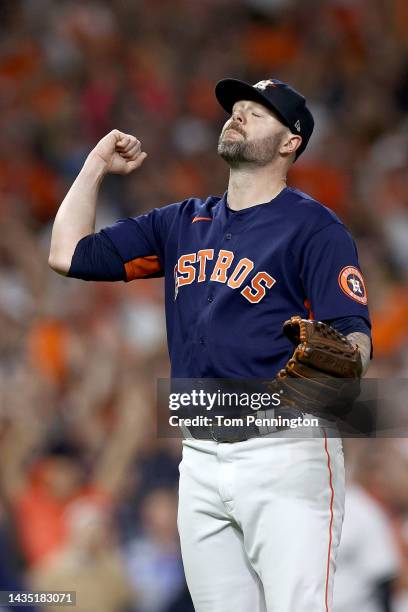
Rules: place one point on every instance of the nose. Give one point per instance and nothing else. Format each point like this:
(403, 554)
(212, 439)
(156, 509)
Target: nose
(238, 116)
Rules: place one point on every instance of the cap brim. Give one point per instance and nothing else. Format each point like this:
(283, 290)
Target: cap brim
(229, 91)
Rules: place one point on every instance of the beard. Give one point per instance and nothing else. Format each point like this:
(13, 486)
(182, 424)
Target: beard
(241, 151)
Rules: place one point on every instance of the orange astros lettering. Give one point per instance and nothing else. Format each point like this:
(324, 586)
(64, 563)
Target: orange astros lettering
(257, 291)
(241, 271)
(193, 267)
(202, 257)
(185, 268)
(223, 263)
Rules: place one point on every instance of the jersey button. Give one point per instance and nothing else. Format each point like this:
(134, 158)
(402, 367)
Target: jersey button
(201, 340)
(228, 236)
(210, 298)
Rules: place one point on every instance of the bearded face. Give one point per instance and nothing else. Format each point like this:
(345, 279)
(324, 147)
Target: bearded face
(236, 147)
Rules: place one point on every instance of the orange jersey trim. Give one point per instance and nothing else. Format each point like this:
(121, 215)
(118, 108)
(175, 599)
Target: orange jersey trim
(201, 219)
(141, 267)
(308, 307)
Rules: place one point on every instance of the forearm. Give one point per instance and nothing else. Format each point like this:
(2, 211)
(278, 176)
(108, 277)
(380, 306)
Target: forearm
(363, 343)
(115, 153)
(125, 441)
(76, 215)
(357, 330)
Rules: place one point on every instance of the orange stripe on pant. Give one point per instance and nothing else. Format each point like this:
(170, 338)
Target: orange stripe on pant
(331, 521)
(142, 267)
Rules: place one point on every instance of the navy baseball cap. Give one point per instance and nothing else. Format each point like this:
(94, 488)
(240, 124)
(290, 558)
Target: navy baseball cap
(288, 104)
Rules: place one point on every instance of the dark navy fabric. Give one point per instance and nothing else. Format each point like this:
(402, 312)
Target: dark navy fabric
(233, 277)
(96, 258)
(348, 325)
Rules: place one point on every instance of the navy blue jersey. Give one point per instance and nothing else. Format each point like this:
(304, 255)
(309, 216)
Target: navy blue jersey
(233, 277)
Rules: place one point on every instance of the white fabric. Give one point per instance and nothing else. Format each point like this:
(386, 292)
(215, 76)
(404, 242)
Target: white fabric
(400, 603)
(255, 521)
(155, 574)
(367, 554)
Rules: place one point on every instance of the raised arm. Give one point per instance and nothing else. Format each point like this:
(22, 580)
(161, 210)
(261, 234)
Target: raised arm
(116, 153)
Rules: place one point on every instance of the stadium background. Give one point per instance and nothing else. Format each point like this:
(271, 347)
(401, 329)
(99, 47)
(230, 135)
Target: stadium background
(87, 492)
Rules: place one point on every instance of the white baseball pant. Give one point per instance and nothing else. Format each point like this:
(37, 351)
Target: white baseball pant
(260, 523)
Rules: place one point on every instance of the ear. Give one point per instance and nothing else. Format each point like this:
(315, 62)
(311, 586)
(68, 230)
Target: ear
(290, 143)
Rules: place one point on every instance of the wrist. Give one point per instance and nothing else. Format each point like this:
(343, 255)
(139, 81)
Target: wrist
(94, 167)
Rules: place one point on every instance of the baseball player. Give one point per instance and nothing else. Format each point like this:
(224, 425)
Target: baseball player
(259, 517)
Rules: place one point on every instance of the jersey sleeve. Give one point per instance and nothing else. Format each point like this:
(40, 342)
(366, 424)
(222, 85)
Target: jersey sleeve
(331, 276)
(129, 249)
(139, 242)
(96, 259)
(349, 325)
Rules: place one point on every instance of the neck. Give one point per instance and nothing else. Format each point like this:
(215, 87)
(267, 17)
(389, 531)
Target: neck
(252, 185)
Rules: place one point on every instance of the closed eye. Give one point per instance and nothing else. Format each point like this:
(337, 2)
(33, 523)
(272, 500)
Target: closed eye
(255, 115)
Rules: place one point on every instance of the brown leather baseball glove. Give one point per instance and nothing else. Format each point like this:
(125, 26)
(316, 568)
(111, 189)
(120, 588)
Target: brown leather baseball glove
(324, 371)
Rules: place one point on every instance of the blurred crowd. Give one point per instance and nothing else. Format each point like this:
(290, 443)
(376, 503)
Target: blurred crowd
(88, 493)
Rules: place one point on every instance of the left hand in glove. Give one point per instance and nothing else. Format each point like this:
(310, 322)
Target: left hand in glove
(324, 371)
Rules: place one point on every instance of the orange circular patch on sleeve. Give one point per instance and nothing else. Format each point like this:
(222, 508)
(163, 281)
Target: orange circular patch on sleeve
(352, 284)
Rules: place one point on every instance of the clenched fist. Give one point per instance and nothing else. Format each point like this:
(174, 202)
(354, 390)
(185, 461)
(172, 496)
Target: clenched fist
(119, 152)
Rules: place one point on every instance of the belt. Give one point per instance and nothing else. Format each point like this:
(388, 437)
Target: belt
(242, 431)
